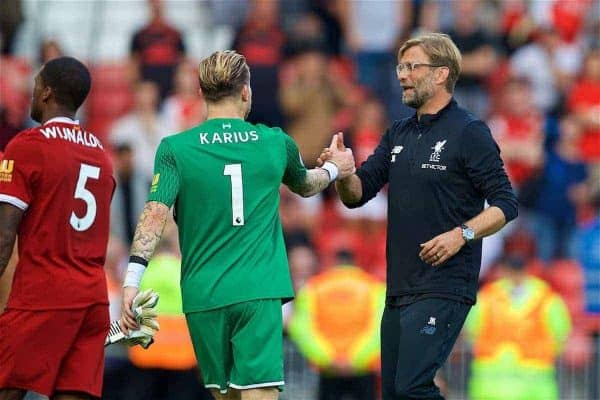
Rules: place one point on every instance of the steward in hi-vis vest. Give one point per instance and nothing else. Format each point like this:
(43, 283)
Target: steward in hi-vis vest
(518, 329)
(336, 315)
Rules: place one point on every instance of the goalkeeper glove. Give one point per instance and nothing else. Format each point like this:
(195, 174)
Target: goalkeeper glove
(143, 336)
(143, 308)
(145, 315)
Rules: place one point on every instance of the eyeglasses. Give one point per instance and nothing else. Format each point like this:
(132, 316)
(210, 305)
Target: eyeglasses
(410, 67)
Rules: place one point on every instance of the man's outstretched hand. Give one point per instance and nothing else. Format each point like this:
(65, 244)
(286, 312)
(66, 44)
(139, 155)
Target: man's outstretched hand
(338, 154)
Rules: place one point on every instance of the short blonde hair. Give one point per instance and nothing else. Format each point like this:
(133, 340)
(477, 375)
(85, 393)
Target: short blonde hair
(441, 50)
(223, 74)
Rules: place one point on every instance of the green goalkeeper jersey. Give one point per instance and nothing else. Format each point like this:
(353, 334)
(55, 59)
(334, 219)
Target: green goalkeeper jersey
(223, 179)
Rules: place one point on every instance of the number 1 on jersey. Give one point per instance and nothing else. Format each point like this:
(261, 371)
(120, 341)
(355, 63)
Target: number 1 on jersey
(237, 193)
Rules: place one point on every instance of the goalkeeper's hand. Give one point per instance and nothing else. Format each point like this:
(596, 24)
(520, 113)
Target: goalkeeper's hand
(128, 321)
(143, 308)
(144, 317)
(143, 336)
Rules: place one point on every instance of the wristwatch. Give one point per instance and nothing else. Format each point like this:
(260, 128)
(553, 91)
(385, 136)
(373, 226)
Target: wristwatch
(467, 233)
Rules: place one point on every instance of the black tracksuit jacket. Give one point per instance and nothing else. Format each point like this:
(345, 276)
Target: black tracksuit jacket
(441, 169)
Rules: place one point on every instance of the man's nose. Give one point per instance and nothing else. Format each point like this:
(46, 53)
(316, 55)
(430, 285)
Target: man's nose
(402, 75)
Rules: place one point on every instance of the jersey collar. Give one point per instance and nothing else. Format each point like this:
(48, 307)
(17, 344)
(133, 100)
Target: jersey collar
(62, 120)
(427, 119)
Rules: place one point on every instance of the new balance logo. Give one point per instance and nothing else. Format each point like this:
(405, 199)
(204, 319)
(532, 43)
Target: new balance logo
(430, 328)
(395, 151)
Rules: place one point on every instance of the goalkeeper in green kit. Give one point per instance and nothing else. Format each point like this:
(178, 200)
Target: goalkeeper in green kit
(222, 179)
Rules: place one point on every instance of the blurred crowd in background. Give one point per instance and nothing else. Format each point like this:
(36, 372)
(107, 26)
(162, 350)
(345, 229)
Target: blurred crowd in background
(531, 69)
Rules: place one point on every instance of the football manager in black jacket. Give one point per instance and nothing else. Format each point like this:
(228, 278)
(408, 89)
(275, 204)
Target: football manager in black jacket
(442, 165)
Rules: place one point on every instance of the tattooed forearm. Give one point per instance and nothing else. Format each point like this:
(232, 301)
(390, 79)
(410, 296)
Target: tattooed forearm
(149, 229)
(316, 181)
(10, 217)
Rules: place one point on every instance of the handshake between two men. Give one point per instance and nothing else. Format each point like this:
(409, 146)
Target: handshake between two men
(339, 155)
(435, 251)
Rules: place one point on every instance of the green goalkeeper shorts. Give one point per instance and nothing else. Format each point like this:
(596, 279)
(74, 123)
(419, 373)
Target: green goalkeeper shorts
(239, 346)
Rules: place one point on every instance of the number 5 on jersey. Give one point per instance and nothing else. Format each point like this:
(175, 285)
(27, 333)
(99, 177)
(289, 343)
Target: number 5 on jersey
(237, 193)
(85, 172)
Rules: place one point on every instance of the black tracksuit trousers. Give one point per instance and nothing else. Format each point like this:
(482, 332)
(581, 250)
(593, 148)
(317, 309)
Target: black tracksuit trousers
(416, 340)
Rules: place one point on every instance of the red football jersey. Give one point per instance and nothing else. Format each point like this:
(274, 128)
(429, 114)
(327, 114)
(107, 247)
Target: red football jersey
(62, 177)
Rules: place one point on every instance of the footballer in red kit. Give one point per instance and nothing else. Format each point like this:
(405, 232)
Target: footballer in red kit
(56, 185)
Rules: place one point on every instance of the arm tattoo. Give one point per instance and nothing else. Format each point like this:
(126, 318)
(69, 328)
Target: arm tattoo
(316, 180)
(149, 229)
(10, 218)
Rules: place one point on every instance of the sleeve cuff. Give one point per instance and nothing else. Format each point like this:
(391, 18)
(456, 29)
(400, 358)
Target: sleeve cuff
(365, 198)
(161, 201)
(509, 210)
(15, 201)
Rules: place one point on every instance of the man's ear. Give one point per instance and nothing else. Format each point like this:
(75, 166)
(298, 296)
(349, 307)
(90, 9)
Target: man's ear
(200, 93)
(442, 75)
(46, 93)
(246, 93)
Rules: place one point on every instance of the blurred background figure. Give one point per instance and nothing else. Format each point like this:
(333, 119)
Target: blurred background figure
(261, 40)
(303, 265)
(373, 31)
(298, 217)
(319, 28)
(584, 102)
(130, 194)
(156, 49)
(518, 128)
(518, 329)
(301, 381)
(335, 324)
(7, 129)
(15, 96)
(11, 18)
(588, 251)
(479, 56)
(184, 108)
(548, 64)
(49, 49)
(142, 128)
(554, 210)
(310, 97)
(364, 135)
